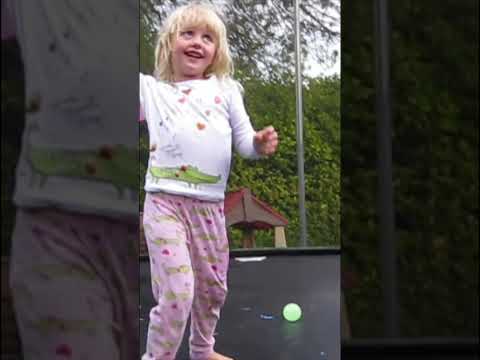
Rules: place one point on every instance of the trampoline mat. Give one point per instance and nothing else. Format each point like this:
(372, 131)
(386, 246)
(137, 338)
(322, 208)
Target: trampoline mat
(251, 325)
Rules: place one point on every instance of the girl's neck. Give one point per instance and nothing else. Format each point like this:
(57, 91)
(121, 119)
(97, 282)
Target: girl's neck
(184, 79)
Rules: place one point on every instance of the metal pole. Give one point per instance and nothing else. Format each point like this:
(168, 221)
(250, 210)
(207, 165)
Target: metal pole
(300, 146)
(386, 215)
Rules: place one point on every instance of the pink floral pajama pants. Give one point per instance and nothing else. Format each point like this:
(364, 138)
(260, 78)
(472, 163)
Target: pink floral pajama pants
(74, 285)
(188, 250)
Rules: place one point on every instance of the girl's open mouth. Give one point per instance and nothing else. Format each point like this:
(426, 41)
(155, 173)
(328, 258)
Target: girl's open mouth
(194, 54)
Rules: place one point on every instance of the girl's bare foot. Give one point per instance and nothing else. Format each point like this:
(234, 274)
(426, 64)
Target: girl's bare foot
(217, 356)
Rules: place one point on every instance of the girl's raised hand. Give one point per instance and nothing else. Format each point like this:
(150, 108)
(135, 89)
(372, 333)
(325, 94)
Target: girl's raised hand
(266, 141)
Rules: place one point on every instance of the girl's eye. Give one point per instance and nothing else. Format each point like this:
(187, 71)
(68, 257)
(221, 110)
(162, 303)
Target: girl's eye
(208, 37)
(187, 33)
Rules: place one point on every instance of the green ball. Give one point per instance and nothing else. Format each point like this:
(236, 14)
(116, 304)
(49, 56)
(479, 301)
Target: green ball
(292, 312)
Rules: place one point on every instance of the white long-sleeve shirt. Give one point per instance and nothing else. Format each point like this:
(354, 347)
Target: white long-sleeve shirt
(192, 125)
(80, 146)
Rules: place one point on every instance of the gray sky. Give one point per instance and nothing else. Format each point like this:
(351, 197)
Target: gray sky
(324, 70)
(317, 69)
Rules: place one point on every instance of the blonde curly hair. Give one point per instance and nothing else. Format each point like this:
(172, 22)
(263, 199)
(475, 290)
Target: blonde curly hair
(193, 15)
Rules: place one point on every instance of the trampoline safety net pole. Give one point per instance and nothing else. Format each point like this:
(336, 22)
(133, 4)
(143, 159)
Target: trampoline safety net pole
(386, 217)
(299, 122)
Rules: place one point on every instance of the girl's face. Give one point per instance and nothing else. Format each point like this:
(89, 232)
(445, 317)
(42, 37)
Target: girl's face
(193, 51)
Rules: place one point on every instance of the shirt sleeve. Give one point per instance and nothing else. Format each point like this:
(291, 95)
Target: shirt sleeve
(142, 88)
(145, 83)
(242, 129)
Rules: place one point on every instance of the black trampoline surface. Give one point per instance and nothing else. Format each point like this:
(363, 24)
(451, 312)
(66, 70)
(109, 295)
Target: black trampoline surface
(251, 326)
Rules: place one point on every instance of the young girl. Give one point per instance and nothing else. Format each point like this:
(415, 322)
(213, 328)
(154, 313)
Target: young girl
(194, 110)
(73, 267)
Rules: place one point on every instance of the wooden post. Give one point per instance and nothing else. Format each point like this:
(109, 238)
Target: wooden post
(249, 239)
(280, 240)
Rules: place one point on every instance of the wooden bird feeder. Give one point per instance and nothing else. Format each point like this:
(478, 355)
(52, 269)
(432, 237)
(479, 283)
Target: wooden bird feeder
(245, 211)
